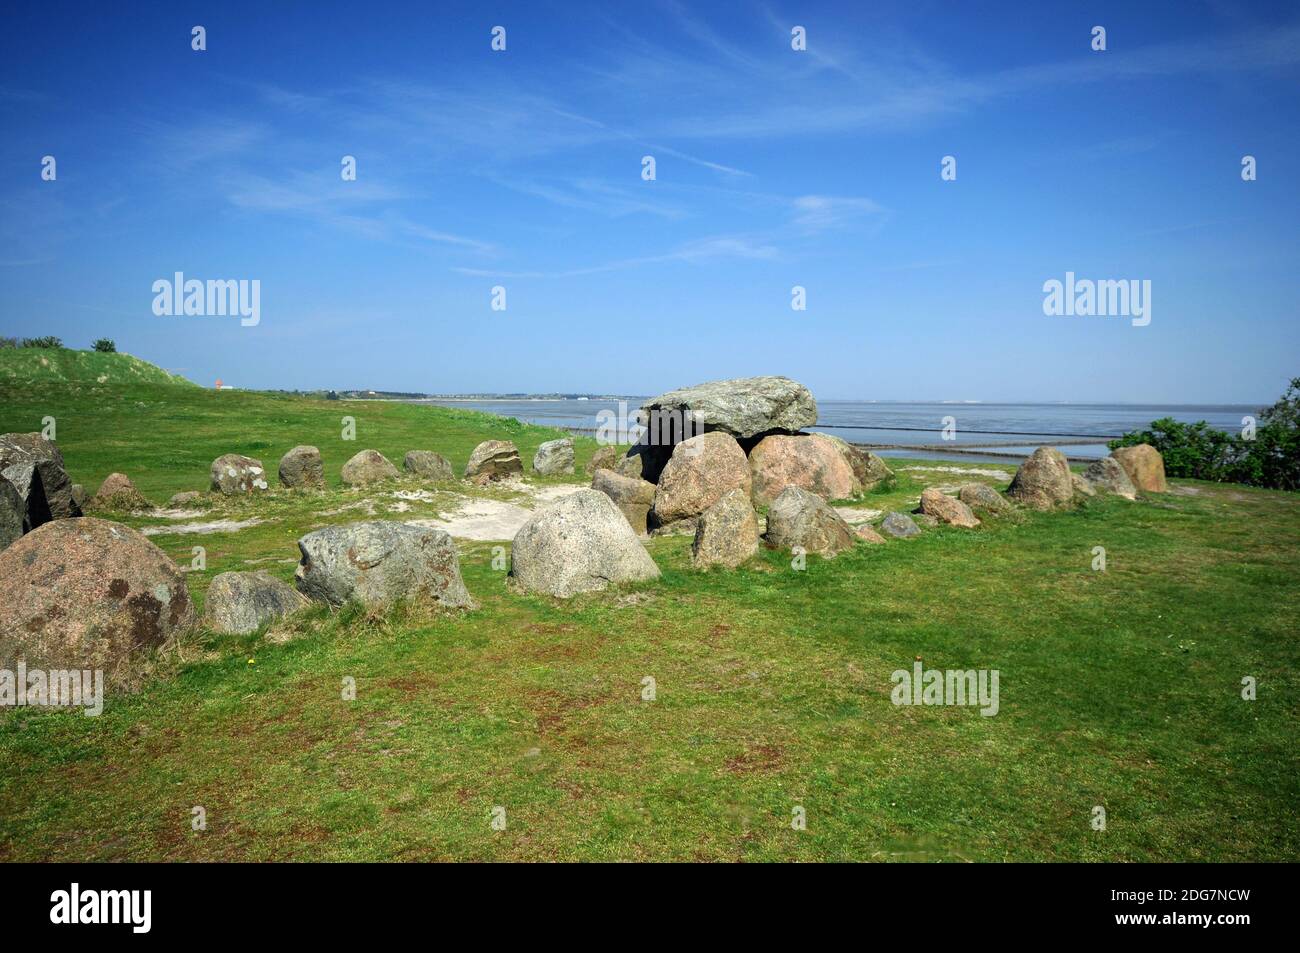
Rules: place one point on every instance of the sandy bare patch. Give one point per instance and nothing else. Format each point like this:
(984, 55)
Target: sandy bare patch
(972, 471)
(856, 515)
(481, 519)
(168, 513)
(211, 526)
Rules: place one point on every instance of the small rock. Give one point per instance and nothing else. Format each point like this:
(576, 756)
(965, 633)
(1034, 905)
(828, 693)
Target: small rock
(605, 458)
(945, 509)
(1043, 481)
(981, 496)
(118, 494)
(185, 498)
(868, 535)
(242, 602)
(899, 525)
(1081, 485)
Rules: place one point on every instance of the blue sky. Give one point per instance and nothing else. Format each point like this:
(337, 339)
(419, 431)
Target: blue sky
(775, 168)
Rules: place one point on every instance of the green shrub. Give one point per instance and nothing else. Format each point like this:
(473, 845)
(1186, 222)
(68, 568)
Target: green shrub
(50, 341)
(8, 342)
(105, 346)
(1269, 458)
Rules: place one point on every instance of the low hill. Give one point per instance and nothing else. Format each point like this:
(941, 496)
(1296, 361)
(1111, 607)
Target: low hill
(49, 365)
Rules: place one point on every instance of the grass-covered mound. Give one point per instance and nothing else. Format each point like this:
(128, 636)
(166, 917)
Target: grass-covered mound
(41, 365)
(1119, 689)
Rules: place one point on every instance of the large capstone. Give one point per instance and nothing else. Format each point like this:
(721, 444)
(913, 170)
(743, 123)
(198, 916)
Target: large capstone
(744, 407)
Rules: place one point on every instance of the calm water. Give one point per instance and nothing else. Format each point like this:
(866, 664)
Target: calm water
(1000, 429)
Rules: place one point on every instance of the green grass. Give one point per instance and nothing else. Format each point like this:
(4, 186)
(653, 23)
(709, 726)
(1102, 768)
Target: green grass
(1119, 689)
(36, 365)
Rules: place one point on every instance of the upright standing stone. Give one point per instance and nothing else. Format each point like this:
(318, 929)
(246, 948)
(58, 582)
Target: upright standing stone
(13, 510)
(1043, 481)
(580, 543)
(368, 466)
(301, 469)
(802, 519)
(633, 497)
(494, 460)
(811, 461)
(45, 458)
(380, 562)
(1145, 467)
(727, 534)
(88, 594)
(700, 471)
(234, 474)
(553, 457)
(428, 465)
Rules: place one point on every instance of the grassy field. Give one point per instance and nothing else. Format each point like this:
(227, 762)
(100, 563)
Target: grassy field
(1118, 688)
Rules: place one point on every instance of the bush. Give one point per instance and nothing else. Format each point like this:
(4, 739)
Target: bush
(105, 346)
(8, 342)
(1271, 458)
(50, 341)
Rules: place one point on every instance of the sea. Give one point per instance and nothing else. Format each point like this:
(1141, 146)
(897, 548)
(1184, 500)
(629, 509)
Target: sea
(970, 431)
